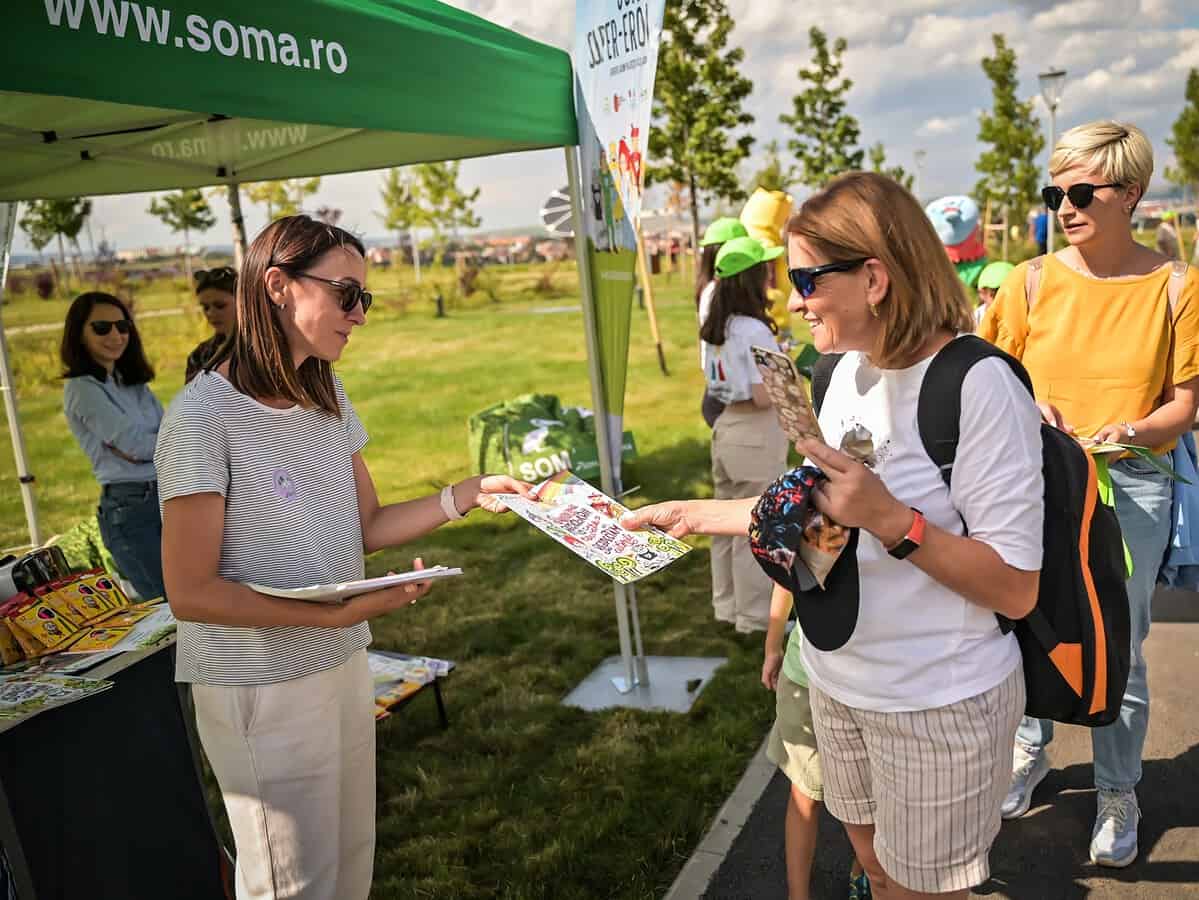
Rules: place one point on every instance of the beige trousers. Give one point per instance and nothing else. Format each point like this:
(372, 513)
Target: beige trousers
(749, 451)
(296, 764)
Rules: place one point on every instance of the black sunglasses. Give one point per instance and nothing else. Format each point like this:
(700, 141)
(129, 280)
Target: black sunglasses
(350, 294)
(1080, 194)
(804, 280)
(224, 277)
(103, 326)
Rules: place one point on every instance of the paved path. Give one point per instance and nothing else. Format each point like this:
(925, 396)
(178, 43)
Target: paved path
(1044, 855)
(57, 326)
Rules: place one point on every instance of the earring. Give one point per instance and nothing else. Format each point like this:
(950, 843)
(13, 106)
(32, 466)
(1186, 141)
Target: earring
(873, 309)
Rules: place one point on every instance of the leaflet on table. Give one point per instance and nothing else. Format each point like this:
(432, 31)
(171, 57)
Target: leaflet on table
(586, 521)
(1103, 448)
(23, 694)
(132, 630)
(399, 676)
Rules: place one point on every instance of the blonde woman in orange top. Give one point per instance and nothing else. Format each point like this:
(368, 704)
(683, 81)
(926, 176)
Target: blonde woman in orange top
(1110, 357)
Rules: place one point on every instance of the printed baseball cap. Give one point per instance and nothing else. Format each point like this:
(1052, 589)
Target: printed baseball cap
(828, 615)
(743, 253)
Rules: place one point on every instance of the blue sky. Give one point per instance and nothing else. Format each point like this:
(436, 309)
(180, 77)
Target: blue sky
(917, 86)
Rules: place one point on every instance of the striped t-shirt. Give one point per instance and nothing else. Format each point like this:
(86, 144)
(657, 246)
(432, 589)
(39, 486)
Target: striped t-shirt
(291, 520)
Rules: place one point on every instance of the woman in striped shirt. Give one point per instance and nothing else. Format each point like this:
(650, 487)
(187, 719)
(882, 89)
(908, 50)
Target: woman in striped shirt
(262, 481)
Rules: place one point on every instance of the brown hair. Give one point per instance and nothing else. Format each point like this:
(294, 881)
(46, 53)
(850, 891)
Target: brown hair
(743, 294)
(705, 270)
(866, 214)
(133, 367)
(260, 360)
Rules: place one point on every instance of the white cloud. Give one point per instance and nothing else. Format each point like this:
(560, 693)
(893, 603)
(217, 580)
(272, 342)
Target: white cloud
(937, 126)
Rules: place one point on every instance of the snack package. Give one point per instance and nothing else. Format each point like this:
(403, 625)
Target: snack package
(103, 637)
(43, 623)
(31, 648)
(64, 603)
(10, 647)
(788, 394)
(100, 585)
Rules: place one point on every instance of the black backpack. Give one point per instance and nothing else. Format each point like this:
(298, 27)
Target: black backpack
(1075, 643)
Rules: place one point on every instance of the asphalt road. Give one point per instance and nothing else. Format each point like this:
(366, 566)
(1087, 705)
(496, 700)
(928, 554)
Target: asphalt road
(1043, 856)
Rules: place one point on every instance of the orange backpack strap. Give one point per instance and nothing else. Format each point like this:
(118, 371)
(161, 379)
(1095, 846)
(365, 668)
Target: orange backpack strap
(1032, 280)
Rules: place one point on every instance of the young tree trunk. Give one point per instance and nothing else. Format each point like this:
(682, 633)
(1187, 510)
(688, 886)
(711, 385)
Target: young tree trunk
(694, 214)
(187, 256)
(415, 254)
(239, 227)
(62, 259)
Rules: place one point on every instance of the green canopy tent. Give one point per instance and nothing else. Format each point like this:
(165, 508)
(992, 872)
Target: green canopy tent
(116, 96)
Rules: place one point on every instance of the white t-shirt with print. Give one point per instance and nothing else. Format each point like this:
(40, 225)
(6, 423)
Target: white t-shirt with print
(917, 644)
(729, 368)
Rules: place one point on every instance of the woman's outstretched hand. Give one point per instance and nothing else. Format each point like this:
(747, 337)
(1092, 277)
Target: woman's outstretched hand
(671, 516)
(481, 487)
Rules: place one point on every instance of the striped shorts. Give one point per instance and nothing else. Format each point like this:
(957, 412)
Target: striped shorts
(930, 781)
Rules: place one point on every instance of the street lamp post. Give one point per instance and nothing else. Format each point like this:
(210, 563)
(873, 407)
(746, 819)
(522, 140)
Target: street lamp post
(1051, 80)
(920, 154)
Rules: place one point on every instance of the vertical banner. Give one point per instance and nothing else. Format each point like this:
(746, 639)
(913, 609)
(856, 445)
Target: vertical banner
(615, 60)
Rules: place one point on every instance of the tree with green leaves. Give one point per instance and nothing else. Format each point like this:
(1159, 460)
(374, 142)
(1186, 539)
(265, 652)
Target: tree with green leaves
(46, 220)
(427, 196)
(1184, 138)
(878, 163)
(185, 210)
(826, 136)
(282, 198)
(774, 174)
(698, 105)
(1010, 174)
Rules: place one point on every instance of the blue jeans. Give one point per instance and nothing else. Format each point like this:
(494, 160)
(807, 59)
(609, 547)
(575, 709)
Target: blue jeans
(1143, 508)
(131, 528)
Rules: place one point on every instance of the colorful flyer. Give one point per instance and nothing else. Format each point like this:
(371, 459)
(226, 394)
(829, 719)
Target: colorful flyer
(23, 695)
(581, 518)
(787, 393)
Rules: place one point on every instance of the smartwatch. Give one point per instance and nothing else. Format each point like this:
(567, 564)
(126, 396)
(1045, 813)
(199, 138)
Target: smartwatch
(912, 540)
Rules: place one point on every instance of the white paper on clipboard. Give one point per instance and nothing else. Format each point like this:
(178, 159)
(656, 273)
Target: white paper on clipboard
(336, 593)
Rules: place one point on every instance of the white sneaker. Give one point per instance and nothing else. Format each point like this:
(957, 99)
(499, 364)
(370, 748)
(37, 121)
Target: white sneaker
(1114, 840)
(1029, 768)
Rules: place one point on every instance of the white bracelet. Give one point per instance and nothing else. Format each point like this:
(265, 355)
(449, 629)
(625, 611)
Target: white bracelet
(448, 506)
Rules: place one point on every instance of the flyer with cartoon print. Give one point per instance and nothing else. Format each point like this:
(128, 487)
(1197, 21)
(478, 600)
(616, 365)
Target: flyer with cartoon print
(788, 395)
(587, 521)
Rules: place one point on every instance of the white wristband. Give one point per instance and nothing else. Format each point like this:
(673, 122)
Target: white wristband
(448, 506)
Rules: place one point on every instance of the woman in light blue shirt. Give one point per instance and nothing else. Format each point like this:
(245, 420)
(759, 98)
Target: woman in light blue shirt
(115, 416)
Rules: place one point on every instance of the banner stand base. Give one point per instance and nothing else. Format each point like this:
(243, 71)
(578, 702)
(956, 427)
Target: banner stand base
(674, 684)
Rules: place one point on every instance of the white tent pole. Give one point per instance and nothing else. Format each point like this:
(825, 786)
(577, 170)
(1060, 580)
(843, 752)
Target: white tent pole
(603, 437)
(8, 222)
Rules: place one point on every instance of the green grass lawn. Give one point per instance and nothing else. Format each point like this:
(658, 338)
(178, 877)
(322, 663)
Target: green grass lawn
(521, 797)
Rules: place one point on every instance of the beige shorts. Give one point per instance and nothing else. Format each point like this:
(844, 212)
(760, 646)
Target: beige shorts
(792, 743)
(931, 781)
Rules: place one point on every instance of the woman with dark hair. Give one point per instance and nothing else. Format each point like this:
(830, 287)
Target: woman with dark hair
(264, 483)
(749, 449)
(721, 230)
(216, 289)
(115, 417)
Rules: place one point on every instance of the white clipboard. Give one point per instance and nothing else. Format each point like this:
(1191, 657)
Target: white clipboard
(336, 593)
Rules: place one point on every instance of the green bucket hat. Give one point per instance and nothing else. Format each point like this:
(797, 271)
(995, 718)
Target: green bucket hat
(742, 253)
(994, 274)
(723, 229)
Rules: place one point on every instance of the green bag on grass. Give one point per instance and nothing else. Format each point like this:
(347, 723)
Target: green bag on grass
(534, 436)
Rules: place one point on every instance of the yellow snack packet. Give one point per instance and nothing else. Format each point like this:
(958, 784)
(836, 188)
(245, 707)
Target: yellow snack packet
(10, 648)
(43, 623)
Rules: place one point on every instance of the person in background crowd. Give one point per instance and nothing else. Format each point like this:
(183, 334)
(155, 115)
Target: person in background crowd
(264, 482)
(916, 705)
(715, 236)
(1110, 359)
(792, 747)
(749, 449)
(1040, 230)
(956, 221)
(1166, 237)
(115, 418)
(989, 281)
(216, 289)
